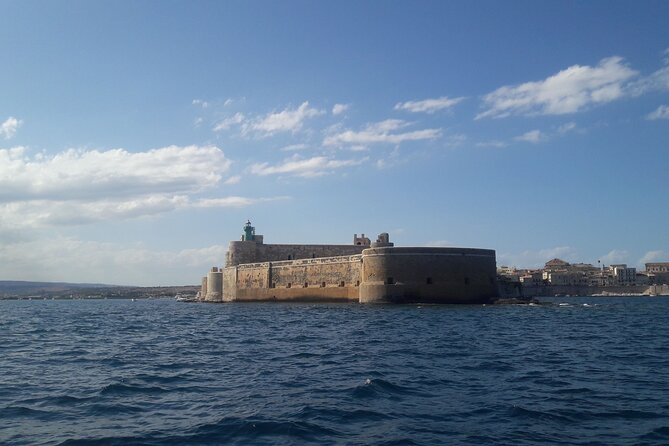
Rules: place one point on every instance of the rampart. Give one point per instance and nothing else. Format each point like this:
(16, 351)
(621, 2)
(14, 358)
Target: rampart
(317, 279)
(242, 252)
(430, 275)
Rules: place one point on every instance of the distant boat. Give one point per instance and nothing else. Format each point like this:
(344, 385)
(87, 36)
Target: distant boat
(181, 298)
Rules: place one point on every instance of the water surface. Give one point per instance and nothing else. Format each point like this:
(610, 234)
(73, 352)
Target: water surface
(575, 371)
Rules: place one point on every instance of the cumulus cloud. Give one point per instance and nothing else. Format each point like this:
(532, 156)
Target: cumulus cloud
(233, 180)
(225, 124)
(662, 112)
(83, 174)
(533, 136)
(569, 91)
(58, 258)
(653, 256)
(381, 132)
(9, 127)
(304, 167)
(537, 259)
(85, 186)
(287, 120)
(428, 105)
(338, 109)
(614, 256)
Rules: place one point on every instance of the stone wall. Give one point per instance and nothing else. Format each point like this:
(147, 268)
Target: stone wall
(242, 252)
(377, 275)
(318, 279)
(438, 275)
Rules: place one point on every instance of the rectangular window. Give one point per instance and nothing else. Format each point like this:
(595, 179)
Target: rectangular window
(390, 281)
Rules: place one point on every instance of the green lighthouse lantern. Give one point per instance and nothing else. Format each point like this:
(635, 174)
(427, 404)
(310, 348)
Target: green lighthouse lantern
(249, 232)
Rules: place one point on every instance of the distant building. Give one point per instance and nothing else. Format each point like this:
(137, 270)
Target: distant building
(658, 272)
(556, 265)
(624, 275)
(657, 267)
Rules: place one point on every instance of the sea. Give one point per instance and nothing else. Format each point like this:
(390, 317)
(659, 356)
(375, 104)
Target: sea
(572, 371)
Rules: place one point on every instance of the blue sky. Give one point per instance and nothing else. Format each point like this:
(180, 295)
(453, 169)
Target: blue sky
(136, 138)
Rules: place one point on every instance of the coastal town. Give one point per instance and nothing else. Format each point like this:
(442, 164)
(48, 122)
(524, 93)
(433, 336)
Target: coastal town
(561, 277)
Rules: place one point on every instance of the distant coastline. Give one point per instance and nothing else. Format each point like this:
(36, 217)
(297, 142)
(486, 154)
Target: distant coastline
(15, 289)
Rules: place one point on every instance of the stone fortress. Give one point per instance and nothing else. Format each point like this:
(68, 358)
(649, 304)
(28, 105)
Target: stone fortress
(364, 271)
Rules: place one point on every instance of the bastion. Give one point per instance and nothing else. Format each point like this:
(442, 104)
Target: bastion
(364, 271)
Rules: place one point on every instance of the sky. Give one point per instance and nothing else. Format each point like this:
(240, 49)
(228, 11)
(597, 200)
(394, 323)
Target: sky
(137, 137)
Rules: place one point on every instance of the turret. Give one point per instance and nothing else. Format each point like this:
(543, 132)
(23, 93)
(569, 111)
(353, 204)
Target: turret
(249, 232)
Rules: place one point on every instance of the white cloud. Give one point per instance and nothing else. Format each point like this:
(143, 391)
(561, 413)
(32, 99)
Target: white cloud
(653, 256)
(492, 143)
(428, 105)
(657, 81)
(236, 119)
(304, 167)
(566, 128)
(234, 202)
(662, 112)
(381, 132)
(228, 102)
(569, 91)
(533, 136)
(233, 179)
(537, 259)
(294, 147)
(57, 258)
(288, 120)
(84, 186)
(614, 256)
(338, 109)
(9, 127)
(200, 103)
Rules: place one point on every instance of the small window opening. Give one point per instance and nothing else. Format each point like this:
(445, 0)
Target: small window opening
(341, 283)
(273, 285)
(390, 281)
(290, 257)
(357, 283)
(322, 284)
(306, 284)
(289, 285)
(428, 281)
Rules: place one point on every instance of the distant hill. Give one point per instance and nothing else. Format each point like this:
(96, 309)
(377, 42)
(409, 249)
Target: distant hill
(23, 288)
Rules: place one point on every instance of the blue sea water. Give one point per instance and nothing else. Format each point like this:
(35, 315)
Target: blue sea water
(577, 371)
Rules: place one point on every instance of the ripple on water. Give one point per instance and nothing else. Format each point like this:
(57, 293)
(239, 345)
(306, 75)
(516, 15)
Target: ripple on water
(160, 372)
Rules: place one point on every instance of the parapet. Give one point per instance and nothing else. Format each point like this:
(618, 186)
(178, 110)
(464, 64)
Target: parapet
(382, 241)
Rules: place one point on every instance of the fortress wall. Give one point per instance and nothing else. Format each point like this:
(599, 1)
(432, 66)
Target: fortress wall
(319, 279)
(439, 275)
(241, 252)
(214, 286)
